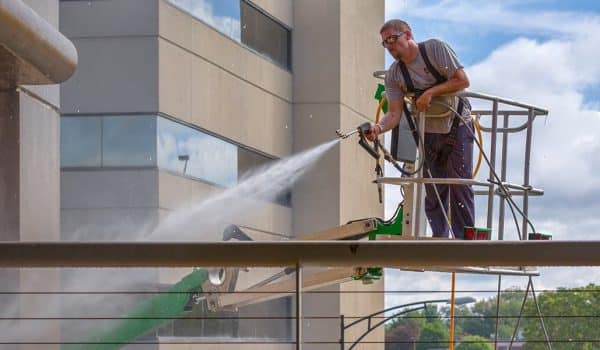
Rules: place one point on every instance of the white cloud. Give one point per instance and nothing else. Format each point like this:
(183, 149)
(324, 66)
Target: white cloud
(494, 16)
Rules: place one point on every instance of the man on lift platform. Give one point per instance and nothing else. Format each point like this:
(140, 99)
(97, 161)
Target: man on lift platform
(427, 70)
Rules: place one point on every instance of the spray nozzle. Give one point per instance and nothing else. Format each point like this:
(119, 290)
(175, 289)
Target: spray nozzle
(362, 130)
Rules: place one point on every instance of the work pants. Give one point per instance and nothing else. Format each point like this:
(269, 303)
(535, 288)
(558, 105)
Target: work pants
(460, 198)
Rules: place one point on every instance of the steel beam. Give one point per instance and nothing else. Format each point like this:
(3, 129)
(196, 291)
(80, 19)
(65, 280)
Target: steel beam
(405, 253)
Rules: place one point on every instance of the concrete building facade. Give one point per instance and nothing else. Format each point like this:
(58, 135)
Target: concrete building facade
(34, 59)
(173, 100)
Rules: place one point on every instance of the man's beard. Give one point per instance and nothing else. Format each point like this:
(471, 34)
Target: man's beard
(396, 55)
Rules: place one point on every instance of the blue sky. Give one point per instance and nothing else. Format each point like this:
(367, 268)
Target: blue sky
(543, 53)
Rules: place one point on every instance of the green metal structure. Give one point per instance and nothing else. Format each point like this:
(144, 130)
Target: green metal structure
(148, 315)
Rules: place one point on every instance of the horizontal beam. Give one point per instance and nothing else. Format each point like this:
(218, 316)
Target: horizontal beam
(402, 253)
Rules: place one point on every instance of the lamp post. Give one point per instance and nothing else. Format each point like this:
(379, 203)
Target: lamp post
(407, 309)
(184, 158)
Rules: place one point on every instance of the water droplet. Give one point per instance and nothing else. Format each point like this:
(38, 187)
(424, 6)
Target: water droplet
(310, 116)
(286, 126)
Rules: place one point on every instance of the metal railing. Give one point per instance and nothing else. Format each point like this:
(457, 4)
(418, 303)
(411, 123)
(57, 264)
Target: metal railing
(495, 184)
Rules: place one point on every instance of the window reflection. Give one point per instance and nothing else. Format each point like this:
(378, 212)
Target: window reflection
(80, 142)
(223, 15)
(149, 140)
(129, 141)
(201, 155)
(245, 23)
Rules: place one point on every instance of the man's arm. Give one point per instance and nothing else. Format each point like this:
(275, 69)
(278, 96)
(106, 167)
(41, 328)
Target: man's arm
(458, 81)
(389, 121)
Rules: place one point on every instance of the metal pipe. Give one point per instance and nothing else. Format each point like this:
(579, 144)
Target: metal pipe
(516, 271)
(503, 161)
(496, 99)
(342, 331)
(298, 306)
(513, 112)
(497, 312)
(402, 253)
(419, 231)
(526, 172)
(512, 130)
(490, 206)
(429, 180)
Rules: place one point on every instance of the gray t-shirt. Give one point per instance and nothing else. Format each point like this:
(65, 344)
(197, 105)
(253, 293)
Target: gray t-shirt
(444, 60)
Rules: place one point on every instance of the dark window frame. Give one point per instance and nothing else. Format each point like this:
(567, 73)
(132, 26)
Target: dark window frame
(287, 66)
(288, 29)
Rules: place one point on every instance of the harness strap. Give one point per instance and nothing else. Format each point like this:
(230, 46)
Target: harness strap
(438, 77)
(442, 157)
(410, 87)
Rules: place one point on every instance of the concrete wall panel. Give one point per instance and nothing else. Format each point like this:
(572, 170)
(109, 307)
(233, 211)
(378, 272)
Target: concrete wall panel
(40, 170)
(174, 81)
(316, 51)
(360, 300)
(115, 75)
(357, 192)
(236, 109)
(282, 10)
(316, 197)
(108, 224)
(360, 54)
(218, 49)
(108, 18)
(109, 189)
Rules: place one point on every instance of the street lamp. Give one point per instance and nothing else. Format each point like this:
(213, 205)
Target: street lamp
(370, 327)
(184, 158)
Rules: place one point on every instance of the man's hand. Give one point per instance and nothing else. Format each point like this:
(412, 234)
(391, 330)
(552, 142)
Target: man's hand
(424, 101)
(373, 132)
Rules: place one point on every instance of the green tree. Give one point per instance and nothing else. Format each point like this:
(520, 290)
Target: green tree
(434, 334)
(480, 318)
(570, 316)
(474, 342)
(403, 331)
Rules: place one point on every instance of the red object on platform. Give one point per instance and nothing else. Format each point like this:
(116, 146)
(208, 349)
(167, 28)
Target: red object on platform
(476, 234)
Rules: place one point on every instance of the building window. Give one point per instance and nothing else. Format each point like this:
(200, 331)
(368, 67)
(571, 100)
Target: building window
(193, 153)
(265, 35)
(128, 141)
(245, 23)
(108, 141)
(223, 15)
(155, 141)
(80, 142)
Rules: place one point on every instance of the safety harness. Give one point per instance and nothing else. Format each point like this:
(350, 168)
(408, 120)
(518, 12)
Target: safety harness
(441, 157)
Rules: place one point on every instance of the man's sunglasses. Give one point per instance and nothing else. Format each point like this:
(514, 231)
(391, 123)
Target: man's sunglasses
(392, 39)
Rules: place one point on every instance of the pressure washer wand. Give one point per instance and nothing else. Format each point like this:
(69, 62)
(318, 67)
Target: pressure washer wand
(346, 135)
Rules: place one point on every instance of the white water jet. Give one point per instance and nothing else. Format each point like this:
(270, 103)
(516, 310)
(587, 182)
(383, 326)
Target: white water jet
(204, 220)
(198, 221)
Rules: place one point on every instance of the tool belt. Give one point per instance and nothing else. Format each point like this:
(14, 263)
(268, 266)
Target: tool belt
(440, 158)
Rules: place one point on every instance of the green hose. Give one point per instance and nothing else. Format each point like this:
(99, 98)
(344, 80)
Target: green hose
(148, 315)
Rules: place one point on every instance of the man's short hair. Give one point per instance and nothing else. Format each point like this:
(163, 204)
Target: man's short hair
(397, 24)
